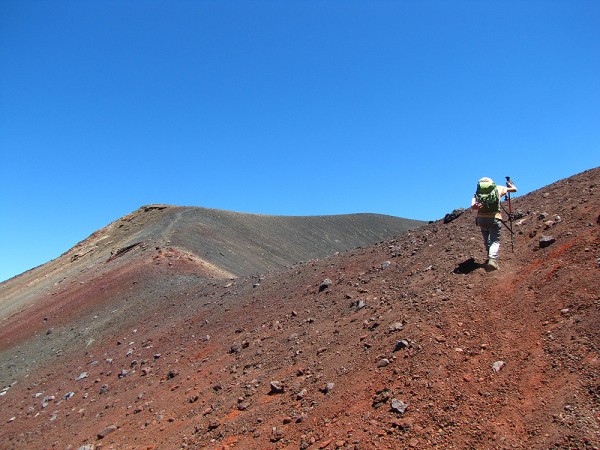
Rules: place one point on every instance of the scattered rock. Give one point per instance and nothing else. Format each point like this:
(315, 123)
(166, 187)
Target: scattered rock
(172, 374)
(277, 434)
(47, 399)
(301, 394)
(325, 284)
(401, 345)
(546, 241)
(81, 376)
(109, 429)
(497, 366)
(385, 265)
(103, 389)
(454, 215)
(276, 388)
(383, 362)
(359, 304)
(396, 326)
(68, 395)
(398, 406)
(381, 397)
(327, 388)
(518, 214)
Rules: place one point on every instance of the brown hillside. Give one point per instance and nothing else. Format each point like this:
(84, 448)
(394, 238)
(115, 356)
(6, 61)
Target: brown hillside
(169, 241)
(286, 361)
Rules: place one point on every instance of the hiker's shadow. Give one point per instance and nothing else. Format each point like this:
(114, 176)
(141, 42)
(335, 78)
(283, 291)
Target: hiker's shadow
(468, 266)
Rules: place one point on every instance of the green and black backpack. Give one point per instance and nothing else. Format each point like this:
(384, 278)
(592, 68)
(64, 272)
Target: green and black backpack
(487, 195)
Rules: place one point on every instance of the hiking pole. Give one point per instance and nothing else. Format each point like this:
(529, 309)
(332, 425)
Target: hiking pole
(510, 215)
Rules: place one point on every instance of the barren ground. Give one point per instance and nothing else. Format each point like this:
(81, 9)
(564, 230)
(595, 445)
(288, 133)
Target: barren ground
(156, 354)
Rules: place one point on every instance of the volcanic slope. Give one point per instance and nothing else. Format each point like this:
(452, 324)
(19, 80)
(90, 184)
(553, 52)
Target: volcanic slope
(162, 244)
(412, 344)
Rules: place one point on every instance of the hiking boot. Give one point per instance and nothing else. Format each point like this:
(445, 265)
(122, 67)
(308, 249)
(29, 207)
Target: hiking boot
(493, 264)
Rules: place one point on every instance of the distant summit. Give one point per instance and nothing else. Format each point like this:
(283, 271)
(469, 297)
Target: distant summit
(209, 243)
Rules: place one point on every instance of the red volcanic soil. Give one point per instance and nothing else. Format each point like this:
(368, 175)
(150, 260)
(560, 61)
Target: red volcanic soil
(410, 343)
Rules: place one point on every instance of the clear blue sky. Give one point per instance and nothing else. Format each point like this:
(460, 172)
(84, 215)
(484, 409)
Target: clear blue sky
(283, 107)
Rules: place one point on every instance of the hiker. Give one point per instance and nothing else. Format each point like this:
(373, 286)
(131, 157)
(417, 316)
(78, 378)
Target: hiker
(486, 202)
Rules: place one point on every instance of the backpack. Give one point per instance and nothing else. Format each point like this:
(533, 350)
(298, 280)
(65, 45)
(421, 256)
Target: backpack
(487, 195)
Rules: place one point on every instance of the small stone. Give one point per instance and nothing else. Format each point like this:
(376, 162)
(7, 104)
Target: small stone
(325, 284)
(276, 387)
(546, 241)
(276, 434)
(81, 376)
(383, 362)
(497, 366)
(68, 395)
(327, 388)
(235, 348)
(47, 399)
(301, 394)
(109, 429)
(396, 326)
(401, 345)
(398, 406)
(385, 264)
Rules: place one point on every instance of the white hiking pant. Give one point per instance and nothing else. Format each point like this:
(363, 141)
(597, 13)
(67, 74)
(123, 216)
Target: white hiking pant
(490, 231)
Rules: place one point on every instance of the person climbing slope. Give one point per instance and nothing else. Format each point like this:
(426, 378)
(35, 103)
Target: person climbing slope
(486, 202)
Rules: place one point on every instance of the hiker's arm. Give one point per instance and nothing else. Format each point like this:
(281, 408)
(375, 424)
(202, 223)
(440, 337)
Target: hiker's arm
(474, 204)
(510, 187)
